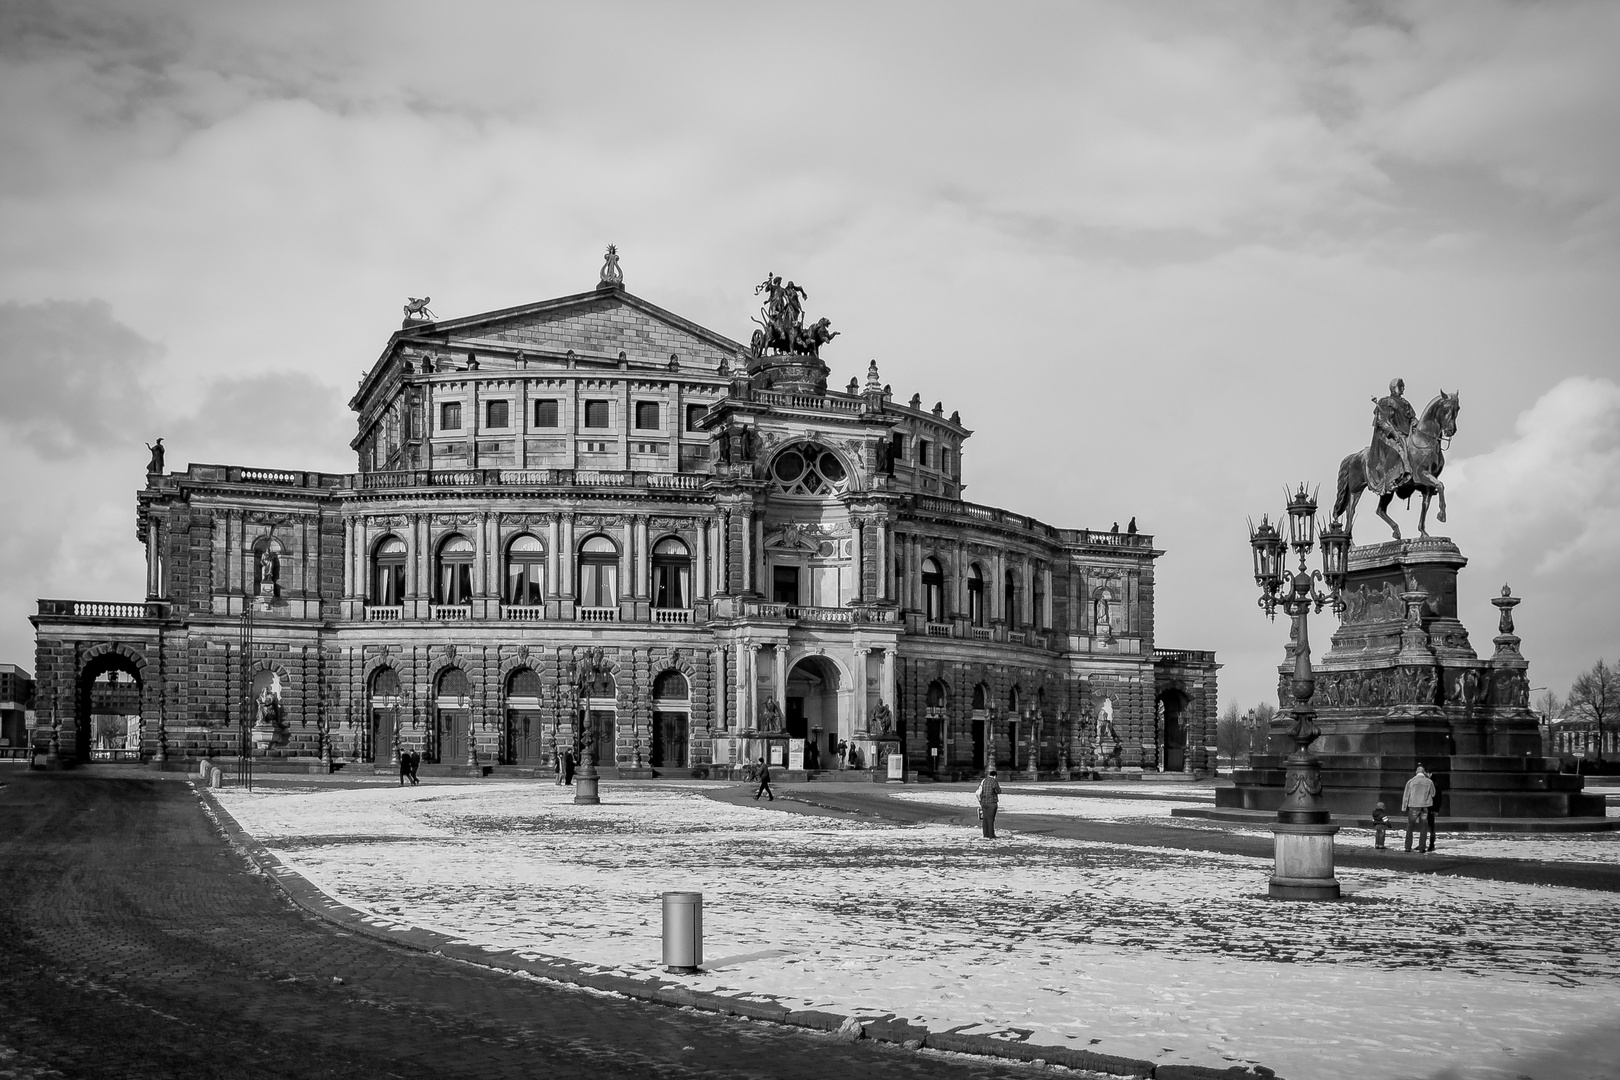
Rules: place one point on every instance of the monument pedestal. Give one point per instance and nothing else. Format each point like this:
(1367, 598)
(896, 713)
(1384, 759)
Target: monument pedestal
(1402, 686)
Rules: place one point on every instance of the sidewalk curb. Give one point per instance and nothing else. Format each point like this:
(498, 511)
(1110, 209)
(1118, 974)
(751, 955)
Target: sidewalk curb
(881, 1028)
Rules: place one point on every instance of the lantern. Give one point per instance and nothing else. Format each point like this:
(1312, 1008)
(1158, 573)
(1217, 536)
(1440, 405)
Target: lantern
(1268, 548)
(1302, 520)
(1335, 555)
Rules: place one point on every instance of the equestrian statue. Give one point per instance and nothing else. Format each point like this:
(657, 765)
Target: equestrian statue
(1406, 455)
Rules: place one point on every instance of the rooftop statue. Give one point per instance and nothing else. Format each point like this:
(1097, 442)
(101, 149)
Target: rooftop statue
(611, 276)
(782, 323)
(155, 464)
(416, 307)
(1405, 456)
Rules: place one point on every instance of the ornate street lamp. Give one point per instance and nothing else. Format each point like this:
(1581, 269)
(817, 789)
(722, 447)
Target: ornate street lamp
(1304, 830)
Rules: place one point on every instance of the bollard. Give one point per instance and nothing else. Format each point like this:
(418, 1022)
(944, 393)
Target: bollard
(216, 778)
(683, 932)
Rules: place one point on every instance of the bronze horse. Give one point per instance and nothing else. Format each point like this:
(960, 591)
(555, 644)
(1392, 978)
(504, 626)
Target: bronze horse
(1425, 446)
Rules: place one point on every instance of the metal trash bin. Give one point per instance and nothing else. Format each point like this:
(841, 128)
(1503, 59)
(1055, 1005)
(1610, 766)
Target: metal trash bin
(683, 932)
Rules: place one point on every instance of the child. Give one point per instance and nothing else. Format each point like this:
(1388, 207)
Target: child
(1380, 822)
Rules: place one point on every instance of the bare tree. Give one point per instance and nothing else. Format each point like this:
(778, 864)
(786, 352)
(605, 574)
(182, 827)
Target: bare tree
(1232, 736)
(1259, 724)
(1550, 705)
(1595, 698)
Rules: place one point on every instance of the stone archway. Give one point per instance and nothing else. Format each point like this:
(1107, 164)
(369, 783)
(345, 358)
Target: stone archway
(1170, 729)
(109, 723)
(817, 708)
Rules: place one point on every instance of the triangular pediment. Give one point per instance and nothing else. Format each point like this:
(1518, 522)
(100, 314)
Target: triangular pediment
(599, 325)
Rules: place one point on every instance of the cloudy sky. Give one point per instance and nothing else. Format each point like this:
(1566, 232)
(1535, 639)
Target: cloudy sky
(1159, 255)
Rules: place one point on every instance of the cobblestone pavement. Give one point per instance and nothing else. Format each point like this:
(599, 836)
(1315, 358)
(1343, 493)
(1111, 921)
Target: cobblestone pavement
(134, 942)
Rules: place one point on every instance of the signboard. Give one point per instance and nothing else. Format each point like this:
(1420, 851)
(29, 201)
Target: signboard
(795, 754)
(897, 767)
(778, 753)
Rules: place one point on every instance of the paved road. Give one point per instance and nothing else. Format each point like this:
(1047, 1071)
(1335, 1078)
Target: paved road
(870, 799)
(135, 943)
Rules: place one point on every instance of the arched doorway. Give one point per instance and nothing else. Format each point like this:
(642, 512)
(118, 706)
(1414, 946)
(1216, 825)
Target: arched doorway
(602, 714)
(383, 703)
(934, 723)
(672, 710)
(452, 719)
(1172, 731)
(814, 700)
(981, 717)
(109, 706)
(525, 731)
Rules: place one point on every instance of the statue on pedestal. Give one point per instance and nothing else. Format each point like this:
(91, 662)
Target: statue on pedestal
(154, 467)
(770, 716)
(882, 721)
(1404, 457)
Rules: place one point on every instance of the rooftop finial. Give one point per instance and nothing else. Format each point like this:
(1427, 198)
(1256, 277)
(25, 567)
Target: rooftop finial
(612, 277)
(874, 385)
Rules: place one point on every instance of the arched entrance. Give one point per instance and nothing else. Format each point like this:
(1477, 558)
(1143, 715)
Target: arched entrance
(602, 714)
(109, 726)
(452, 719)
(1172, 731)
(934, 723)
(814, 706)
(383, 703)
(981, 717)
(525, 731)
(672, 710)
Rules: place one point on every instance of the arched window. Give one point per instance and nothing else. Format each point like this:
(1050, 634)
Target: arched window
(671, 574)
(933, 583)
(453, 582)
(388, 573)
(384, 684)
(598, 573)
(936, 695)
(671, 688)
(1037, 600)
(975, 591)
(453, 689)
(1012, 701)
(978, 698)
(808, 469)
(526, 572)
(523, 689)
(1010, 599)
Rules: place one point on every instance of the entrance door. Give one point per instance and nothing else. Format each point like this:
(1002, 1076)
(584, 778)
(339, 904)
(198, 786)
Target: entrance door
(796, 723)
(384, 723)
(455, 729)
(669, 740)
(607, 748)
(525, 738)
(1012, 745)
(978, 742)
(936, 741)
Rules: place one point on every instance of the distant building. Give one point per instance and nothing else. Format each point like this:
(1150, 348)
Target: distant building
(16, 704)
(594, 472)
(1570, 740)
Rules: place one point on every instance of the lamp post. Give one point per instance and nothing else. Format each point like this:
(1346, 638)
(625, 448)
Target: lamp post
(1304, 830)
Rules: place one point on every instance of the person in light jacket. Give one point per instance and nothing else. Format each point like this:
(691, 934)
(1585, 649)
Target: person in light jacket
(1418, 802)
(989, 794)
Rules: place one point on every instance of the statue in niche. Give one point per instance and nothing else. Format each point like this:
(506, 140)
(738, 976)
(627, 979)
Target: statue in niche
(267, 709)
(269, 572)
(882, 722)
(154, 466)
(770, 716)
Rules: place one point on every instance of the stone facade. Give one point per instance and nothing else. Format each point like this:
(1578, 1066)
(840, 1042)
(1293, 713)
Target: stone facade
(596, 473)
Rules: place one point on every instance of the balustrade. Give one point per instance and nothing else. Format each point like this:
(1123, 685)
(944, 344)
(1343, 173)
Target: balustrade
(450, 612)
(523, 612)
(384, 613)
(672, 615)
(596, 614)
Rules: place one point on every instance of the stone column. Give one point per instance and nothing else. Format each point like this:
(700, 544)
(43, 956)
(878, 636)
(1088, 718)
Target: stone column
(627, 559)
(552, 558)
(747, 550)
(886, 689)
(884, 562)
(722, 553)
(719, 684)
(747, 706)
(643, 560)
(700, 572)
(565, 558)
(781, 677)
(857, 713)
(857, 529)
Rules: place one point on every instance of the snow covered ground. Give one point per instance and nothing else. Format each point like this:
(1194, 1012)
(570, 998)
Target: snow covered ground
(1164, 955)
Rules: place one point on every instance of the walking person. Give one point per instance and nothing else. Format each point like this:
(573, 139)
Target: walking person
(1418, 802)
(404, 767)
(568, 767)
(989, 795)
(416, 763)
(764, 782)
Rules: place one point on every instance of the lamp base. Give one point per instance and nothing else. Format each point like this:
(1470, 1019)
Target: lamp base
(1304, 863)
(585, 791)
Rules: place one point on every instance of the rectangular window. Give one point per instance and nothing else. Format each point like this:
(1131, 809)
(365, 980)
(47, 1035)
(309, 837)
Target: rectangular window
(598, 585)
(694, 413)
(647, 415)
(947, 462)
(785, 584)
(596, 414)
(498, 414)
(672, 584)
(450, 416)
(922, 452)
(545, 413)
(898, 446)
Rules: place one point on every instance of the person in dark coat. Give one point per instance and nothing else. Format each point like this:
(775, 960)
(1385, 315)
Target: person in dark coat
(568, 766)
(1380, 823)
(416, 763)
(989, 796)
(404, 767)
(764, 782)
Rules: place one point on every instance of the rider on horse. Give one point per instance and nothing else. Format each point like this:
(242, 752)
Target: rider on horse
(1388, 460)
